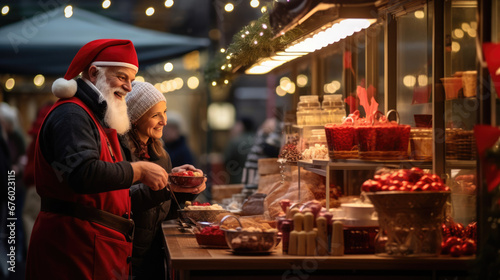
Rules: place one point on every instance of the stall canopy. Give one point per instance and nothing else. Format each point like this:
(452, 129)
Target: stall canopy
(46, 43)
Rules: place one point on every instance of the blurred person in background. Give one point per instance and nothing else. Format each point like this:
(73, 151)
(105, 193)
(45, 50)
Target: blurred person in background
(5, 172)
(267, 144)
(147, 108)
(15, 139)
(235, 154)
(32, 199)
(16, 144)
(176, 142)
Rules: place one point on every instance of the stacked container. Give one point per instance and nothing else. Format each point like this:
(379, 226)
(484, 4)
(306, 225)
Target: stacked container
(333, 109)
(308, 111)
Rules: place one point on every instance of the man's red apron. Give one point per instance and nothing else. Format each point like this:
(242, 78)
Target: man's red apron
(65, 247)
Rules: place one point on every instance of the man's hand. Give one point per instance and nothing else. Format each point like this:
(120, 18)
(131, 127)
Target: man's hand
(150, 174)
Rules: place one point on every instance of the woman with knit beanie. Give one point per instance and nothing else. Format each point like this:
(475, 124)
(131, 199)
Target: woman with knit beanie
(147, 111)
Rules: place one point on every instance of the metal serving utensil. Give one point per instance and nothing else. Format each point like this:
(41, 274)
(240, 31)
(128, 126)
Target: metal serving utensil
(184, 225)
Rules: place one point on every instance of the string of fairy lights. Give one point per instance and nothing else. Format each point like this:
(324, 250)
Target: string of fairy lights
(228, 6)
(177, 83)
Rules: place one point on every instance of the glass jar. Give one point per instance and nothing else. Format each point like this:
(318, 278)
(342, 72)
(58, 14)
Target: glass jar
(333, 109)
(317, 137)
(308, 110)
(421, 143)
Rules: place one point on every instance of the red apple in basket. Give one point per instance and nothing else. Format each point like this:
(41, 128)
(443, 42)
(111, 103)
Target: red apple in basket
(415, 174)
(469, 247)
(449, 243)
(371, 185)
(401, 175)
(456, 251)
(426, 179)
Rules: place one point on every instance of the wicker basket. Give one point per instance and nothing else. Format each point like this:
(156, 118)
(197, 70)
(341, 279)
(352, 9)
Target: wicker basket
(460, 144)
(465, 145)
(451, 145)
(341, 141)
(410, 223)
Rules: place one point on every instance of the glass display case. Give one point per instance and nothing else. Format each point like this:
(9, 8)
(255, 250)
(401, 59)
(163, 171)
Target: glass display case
(461, 107)
(397, 59)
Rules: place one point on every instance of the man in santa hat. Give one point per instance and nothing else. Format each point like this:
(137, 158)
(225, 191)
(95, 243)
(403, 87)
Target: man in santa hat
(84, 230)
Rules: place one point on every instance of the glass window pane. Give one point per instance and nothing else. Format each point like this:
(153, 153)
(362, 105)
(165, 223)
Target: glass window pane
(414, 87)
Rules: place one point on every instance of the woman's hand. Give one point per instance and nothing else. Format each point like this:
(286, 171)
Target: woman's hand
(195, 190)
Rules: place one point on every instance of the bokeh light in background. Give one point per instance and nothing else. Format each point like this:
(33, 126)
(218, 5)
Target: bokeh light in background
(169, 3)
(68, 11)
(106, 4)
(302, 80)
(150, 11)
(409, 81)
(168, 67)
(229, 7)
(39, 80)
(193, 82)
(221, 115)
(10, 83)
(419, 14)
(5, 10)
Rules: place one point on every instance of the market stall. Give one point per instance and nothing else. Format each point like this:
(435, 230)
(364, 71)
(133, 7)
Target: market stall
(383, 98)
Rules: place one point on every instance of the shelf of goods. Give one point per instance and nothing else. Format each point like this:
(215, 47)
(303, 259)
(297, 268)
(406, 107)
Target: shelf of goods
(322, 167)
(461, 164)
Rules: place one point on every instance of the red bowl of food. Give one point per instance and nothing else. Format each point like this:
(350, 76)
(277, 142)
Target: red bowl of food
(186, 179)
(211, 236)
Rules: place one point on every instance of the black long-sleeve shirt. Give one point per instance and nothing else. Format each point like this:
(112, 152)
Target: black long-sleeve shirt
(70, 142)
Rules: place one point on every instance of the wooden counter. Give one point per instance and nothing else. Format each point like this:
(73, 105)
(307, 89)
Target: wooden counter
(187, 260)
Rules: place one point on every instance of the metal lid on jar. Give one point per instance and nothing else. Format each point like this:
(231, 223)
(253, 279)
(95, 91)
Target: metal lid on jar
(308, 102)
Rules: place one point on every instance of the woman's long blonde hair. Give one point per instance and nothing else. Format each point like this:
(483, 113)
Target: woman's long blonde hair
(135, 144)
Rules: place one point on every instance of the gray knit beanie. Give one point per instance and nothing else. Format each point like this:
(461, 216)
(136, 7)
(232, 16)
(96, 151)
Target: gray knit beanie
(142, 97)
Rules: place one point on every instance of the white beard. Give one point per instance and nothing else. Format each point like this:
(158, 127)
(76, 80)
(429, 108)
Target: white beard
(116, 115)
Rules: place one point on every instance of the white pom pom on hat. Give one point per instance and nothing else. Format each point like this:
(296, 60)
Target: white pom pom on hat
(101, 52)
(63, 88)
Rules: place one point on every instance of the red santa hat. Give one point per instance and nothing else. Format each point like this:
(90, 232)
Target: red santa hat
(102, 52)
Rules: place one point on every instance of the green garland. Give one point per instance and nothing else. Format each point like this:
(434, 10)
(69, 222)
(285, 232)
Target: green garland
(253, 42)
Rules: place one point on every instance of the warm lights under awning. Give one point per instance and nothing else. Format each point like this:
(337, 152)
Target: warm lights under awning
(324, 36)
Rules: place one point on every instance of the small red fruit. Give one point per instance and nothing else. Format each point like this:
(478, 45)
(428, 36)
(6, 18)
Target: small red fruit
(435, 186)
(436, 178)
(420, 184)
(453, 240)
(426, 187)
(469, 247)
(416, 188)
(393, 188)
(456, 251)
(415, 174)
(395, 183)
(427, 179)
(371, 186)
(400, 175)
